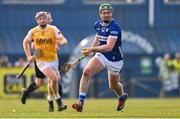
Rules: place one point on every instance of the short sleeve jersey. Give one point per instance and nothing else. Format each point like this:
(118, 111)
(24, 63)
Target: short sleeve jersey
(112, 30)
(45, 40)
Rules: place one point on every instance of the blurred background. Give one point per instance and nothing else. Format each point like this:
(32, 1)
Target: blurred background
(150, 36)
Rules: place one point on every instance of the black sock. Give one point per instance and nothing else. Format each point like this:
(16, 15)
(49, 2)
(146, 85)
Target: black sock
(51, 103)
(31, 88)
(60, 89)
(59, 101)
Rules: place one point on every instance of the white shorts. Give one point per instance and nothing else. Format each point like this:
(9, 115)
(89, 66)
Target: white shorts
(113, 67)
(42, 65)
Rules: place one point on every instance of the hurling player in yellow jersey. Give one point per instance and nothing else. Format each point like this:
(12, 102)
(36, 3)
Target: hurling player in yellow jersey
(45, 38)
(39, 80)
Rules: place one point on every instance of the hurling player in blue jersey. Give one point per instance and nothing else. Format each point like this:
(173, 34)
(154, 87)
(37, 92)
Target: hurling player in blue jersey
(108, 48)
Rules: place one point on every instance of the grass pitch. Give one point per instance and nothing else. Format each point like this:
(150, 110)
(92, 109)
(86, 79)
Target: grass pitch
(94, 108)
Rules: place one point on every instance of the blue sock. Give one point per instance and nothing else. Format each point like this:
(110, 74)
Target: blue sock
(82, 96)
(123, 97)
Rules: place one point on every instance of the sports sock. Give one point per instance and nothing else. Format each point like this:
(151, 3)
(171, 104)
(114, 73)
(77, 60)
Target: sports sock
(50, 98)
(31, 88)
(58, 100)
(50, 101)
(82, 96)
(57, 97)
(121, 98)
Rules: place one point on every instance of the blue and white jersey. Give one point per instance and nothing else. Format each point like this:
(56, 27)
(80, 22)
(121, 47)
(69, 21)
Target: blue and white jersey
(111, 30)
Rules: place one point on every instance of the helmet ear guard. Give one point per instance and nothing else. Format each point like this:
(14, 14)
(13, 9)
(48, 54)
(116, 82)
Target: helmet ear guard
(105, 6)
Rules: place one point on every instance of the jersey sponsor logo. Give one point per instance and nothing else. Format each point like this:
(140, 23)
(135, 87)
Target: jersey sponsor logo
(114, 32)
(41, 41)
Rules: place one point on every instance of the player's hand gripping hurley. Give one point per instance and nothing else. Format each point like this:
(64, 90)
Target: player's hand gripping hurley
(68, 66)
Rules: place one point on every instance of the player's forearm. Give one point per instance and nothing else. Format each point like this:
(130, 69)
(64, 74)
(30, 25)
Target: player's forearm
(64, 41)
(102, 48)
(95, 44)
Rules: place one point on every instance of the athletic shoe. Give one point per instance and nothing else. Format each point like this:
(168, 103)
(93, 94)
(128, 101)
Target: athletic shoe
(24, 96)
(78, 106)
(51, 106)
(61, 106)
(121, 101)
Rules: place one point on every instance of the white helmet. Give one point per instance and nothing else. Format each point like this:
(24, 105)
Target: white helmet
(41, 13)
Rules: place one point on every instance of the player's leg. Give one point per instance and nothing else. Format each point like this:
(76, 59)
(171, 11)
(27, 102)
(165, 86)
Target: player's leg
(114, 83)
(59, 81)
(33, 86)
(113, 78)
(93, 66)
(39, 81)
(53, 77)
(118, 89)
(60, 89)
(50, 98)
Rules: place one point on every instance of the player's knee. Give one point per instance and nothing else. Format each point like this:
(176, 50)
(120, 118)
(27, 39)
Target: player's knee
(112, 86)
(39, 82)
(87, 72)
(53, 78)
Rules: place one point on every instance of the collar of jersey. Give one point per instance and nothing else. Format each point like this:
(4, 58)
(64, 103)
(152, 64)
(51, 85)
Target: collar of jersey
(106, 24)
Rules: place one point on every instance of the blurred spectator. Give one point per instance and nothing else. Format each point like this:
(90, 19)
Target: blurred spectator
(20, 63)
(176, 65)
(169, 74)
(4, 61)
(176, 62)
(163, 75)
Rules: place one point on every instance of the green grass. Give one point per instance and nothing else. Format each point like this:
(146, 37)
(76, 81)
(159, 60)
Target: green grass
(94, 108)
